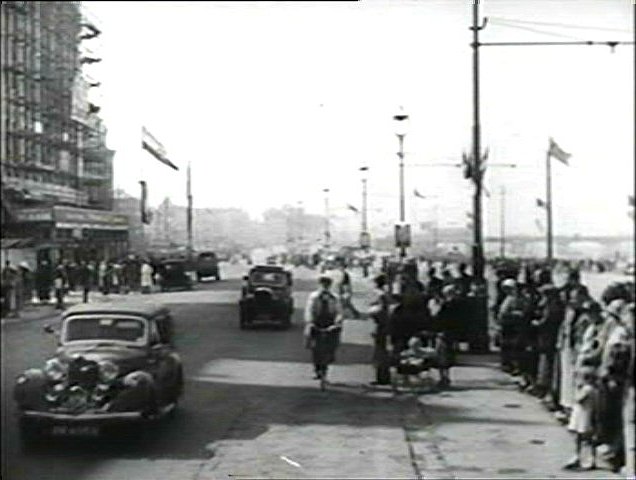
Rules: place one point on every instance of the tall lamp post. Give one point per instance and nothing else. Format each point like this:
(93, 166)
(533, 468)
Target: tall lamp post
(364, 227)
(401, 125)
(327, 232)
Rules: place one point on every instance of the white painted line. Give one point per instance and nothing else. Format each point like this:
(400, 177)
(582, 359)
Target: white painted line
(291, 462)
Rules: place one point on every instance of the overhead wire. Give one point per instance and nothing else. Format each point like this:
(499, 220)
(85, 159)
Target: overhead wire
(562, 25)
(534, 30)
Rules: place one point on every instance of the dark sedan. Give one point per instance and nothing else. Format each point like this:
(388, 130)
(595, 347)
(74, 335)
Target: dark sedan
(115, 363)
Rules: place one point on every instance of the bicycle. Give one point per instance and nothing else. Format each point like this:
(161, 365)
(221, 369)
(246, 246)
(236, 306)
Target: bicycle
(325, 343)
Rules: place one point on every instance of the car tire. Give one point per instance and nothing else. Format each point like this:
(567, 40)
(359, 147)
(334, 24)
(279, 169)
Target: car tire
(31, 435)
(287, 322)
(217, 277)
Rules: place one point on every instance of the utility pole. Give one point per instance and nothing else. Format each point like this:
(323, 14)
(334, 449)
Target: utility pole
(502, 223)
(477, 171)
(327, 232)
(401, 120)
(189, 213)
(548, 209)
(364, 225)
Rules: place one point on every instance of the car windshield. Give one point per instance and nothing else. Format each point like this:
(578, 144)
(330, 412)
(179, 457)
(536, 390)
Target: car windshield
(104, 329)
(207, 256)
(272, 278)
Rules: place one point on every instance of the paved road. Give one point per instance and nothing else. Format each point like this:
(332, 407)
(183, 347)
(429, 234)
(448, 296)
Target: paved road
(252, 409)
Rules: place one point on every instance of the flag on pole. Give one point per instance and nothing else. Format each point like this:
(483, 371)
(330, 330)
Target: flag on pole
(418, 194)
(353, 209)
(541, 203)
(155, 148)
(558, 153)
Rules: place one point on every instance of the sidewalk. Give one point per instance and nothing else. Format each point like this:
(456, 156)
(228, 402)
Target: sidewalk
(483, 427)
(39, 311)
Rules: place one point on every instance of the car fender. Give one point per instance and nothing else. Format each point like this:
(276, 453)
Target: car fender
(30, 388)
(139, 392)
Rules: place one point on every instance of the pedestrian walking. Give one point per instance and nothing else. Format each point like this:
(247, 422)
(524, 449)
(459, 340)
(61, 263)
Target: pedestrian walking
(85, 280)
(59, 284)
(104, 281)
(345, 291)
(146, 277)
(9, 280)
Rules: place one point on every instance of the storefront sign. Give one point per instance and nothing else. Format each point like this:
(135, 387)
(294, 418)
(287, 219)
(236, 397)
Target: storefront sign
(34, 215)
(81, 216)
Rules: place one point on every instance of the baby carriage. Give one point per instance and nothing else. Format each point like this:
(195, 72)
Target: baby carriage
(422, 354)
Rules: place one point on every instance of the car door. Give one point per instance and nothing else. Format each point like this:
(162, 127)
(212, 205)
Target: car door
(158, 362)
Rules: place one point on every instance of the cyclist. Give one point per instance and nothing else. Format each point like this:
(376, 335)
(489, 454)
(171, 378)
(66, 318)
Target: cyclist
(323, 313)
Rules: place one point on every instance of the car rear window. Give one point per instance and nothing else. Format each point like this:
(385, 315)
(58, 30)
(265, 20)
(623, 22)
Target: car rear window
(104, 328)
(269, 277)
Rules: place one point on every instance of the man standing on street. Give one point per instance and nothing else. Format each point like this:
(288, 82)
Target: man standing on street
(8, 289)
(379, 313)
(85, 277)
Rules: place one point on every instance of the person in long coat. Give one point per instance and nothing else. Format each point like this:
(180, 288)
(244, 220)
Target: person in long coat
(566, 347)
(447, 322)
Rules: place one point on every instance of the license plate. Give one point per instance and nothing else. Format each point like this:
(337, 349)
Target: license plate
(73, 431)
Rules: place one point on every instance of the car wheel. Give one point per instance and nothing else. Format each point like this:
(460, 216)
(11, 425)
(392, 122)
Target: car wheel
(217, 277)
(287, 322)
(31, 435)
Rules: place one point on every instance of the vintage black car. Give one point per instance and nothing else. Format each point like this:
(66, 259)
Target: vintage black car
(207, 265)
(266, 296)
(115, 364)
(174, 274)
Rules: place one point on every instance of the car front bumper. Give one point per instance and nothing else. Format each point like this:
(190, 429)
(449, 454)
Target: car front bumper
(80, 418)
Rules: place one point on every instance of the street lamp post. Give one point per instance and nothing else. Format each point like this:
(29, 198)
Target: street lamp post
(327, 232)
(401, 123)
(364, 226)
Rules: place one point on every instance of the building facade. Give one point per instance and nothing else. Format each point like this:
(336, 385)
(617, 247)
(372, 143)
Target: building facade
(57, 172)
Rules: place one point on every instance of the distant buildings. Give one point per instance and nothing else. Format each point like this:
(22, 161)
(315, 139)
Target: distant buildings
(57, 172)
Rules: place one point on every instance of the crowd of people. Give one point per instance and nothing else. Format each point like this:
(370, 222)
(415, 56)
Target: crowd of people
(571, 351)
(576, 354)
(46, 283)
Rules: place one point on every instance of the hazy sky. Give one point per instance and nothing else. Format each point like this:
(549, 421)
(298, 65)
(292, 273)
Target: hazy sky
(273, 102)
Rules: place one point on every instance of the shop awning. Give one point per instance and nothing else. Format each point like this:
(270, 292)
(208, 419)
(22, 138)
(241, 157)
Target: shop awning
(17, 243)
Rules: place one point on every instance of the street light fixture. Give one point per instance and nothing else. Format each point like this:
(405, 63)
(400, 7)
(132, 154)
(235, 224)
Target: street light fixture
(327, 232)
(401, 121)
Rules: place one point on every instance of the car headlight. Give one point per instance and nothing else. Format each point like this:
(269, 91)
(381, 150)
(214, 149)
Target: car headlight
(55, 370)
(108, 371)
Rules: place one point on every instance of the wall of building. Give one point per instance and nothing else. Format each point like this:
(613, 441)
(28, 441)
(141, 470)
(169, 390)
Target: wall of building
(52, 142)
